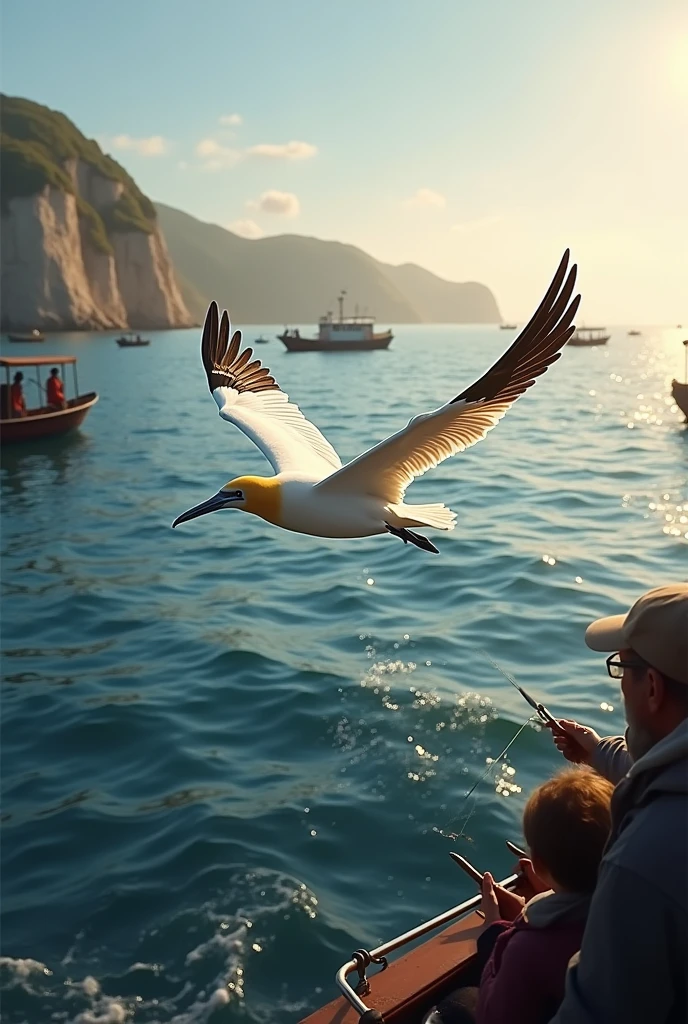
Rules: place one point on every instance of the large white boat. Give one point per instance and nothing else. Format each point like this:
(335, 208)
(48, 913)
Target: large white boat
(346, 334)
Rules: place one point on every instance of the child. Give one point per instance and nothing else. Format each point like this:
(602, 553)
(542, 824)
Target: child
(566, 824)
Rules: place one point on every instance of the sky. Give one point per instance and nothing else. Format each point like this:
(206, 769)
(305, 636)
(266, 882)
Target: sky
(478, 140)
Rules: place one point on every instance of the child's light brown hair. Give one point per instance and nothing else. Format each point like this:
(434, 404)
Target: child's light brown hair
(566, 824)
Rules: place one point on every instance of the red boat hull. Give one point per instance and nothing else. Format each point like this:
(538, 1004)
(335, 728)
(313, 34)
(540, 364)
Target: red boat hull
(315, 345)
(46, 422)
(679, 393)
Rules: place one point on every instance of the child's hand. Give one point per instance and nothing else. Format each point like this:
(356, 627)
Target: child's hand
(499, 904)
(489, 905)
(533, 883)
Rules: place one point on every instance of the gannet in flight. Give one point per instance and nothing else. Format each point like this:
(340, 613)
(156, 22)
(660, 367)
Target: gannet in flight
(311, 492)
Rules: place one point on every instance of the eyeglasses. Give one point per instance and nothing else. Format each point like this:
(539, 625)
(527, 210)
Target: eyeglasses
(616, 665)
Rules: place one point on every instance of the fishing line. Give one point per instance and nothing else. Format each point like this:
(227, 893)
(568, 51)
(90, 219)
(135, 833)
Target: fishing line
(490, 768)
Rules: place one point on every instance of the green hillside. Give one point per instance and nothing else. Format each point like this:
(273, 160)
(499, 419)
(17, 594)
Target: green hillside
(35, 146)
(440, 301)
(285, 279)
(293, 279)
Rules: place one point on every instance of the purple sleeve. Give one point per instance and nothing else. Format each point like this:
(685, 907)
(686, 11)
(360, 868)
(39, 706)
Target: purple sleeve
(488, 939)
(509, 987)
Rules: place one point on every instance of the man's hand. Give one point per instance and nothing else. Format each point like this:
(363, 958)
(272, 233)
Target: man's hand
(576, 742)
(499, 904)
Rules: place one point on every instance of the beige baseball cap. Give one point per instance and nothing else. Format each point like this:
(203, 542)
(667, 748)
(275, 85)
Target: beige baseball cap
(656, 628)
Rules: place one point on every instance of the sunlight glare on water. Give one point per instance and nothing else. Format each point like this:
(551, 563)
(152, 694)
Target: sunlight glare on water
(230, 753)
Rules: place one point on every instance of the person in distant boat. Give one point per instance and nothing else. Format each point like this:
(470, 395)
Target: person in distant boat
(55, 390)
(17, 400)
(633, 963)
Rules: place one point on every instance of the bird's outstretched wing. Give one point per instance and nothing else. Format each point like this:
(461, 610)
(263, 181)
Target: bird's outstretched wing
(387, 469)
(248, 396)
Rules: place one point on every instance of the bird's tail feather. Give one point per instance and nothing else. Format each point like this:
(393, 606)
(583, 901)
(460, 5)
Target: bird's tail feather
(439, 516)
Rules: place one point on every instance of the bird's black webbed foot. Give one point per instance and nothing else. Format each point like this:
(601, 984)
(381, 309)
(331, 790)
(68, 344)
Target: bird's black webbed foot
(414, 538)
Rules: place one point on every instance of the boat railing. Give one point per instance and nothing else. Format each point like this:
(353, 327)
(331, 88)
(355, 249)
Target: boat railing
(363, 319)
(363, 958)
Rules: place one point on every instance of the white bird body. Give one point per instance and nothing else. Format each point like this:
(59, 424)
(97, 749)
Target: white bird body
(311, 492)
(305, 509)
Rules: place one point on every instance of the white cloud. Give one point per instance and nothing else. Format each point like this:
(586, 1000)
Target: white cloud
(231, 120)
(216, 156)
(154, 145)
(246, 228)
(283, 151)
(425, 197)
(284, 204)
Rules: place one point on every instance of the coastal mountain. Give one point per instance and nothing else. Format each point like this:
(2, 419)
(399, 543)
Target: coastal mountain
(81, 244)
(295, 279)
(84, 249)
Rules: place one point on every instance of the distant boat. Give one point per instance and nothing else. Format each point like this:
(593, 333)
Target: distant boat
(261, 340)
(679, 391)
(30, 336)
(43, 420)
(589, 336)
(348, 334)
(634, 334)
(508, 327)
(132, 341)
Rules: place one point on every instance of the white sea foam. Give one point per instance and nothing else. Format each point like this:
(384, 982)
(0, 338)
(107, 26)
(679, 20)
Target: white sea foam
(21, 970)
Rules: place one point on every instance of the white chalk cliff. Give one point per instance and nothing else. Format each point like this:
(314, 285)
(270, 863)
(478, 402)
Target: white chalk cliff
(56, 275)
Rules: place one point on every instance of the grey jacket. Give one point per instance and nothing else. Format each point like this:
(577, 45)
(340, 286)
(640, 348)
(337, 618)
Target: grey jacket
(633, 962)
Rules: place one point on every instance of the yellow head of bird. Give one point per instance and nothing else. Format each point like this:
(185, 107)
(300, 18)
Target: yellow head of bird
(256, 494)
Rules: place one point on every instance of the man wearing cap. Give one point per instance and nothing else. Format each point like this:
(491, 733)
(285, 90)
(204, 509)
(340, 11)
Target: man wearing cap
(633, 962)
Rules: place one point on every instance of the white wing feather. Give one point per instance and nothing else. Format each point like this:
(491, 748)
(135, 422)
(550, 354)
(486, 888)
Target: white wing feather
(387, 469)
(289, 441)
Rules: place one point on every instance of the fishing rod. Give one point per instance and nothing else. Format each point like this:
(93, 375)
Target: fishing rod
(541, 710)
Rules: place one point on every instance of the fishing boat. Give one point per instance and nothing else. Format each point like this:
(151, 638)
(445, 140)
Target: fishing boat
(508, 327)
(41, 420)
(29, 336)
(679, 390)
(589, 336)
(404, 991)
(132, 341)
(261, 340)
(347, 334)
(634, 334)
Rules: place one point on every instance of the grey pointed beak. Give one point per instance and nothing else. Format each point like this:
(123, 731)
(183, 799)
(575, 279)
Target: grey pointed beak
(214, 504)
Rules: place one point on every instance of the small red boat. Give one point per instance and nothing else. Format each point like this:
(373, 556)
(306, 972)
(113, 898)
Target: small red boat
(42, 420)
(679, 391)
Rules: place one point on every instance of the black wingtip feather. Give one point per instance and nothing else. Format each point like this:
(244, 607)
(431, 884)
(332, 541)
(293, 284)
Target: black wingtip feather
(533, 350)
(224, 365)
